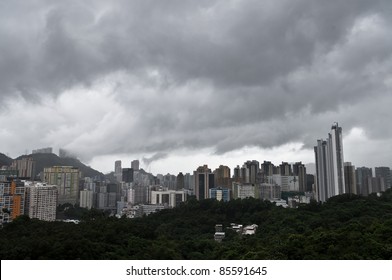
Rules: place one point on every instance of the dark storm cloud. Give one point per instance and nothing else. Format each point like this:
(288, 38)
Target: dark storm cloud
(196, 74)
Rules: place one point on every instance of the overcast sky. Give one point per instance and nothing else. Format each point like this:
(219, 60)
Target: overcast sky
(183, 83)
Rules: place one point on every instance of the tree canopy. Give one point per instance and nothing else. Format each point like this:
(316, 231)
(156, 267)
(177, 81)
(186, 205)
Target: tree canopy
(345, 227)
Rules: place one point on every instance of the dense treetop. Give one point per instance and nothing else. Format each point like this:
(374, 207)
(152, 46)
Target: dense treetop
(345, 227)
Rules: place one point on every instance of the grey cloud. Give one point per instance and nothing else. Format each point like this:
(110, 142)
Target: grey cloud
(195, 74)
(155, 157)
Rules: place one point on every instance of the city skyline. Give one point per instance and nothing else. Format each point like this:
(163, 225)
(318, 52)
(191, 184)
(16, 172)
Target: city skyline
(184, 83)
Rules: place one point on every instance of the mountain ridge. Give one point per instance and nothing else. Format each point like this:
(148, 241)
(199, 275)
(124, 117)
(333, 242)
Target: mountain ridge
(43, 160)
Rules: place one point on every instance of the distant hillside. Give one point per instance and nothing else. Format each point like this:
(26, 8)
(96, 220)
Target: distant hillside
(4, 160)
(49, 160)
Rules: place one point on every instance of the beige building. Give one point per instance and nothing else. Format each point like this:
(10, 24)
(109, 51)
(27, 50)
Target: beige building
(25, 167)
(66, 178)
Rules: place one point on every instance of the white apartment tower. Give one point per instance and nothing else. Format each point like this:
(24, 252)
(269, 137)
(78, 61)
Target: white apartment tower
(330, 165)
(42, 201)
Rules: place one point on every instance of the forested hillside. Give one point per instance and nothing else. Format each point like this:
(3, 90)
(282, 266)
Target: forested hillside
(346, 227)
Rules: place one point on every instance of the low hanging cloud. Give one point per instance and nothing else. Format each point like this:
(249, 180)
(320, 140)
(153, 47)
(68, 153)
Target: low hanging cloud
(100, 78)
(155, 157)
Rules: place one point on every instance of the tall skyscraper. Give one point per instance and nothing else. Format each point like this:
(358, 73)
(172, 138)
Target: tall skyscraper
(66, 178)
(329, 165)
(384, 172)
(135, 165)
(42, 201)
(267, 170)
(222, 176)
(204, 181)
(180, 182)
(251, 171)
(362, 175)
(285, 169)
(350, 181)
(118, 170)
(299, 170)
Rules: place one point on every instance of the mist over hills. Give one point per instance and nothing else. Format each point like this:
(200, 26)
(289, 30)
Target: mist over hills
(48, 160)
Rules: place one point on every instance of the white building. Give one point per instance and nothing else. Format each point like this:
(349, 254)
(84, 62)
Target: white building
(243, 190)
(330, 165)
(171, 198)
(286, 183)
(86, 199)
(42, 201)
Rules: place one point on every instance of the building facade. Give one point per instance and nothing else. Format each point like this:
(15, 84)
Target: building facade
(350, 181)
(12, 200)
(220, 193)
(25, 167)
(66, 178)
(86, 199)
(329, 165)
(42, 201)
(384, 172)
(204, 180)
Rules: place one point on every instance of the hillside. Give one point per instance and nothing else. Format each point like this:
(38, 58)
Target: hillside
(49, 160)
(4, 160)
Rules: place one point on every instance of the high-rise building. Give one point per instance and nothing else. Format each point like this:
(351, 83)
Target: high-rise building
(222, 176)
(266, 170)
(66, 178)
(299, 170)
(250, 171)
(329, 165)
(362, 175)
(180, 181)
(42, 201)
(376, 184)
(137, 195)
(285, 169)
(135, 165)
(118, 170)
(25, 167)
(127, 175)
(350, 182)
(204, 180)
(86, 199)
(12, 200)
(384, 172)
(189, 182)
(237, 174)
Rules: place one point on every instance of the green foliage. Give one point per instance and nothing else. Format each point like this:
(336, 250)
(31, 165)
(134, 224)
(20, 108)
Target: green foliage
(345, 227)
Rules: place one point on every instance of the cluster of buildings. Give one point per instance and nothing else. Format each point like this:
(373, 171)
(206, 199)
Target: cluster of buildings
(334, 176)
(133, 192)
(35, 199)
